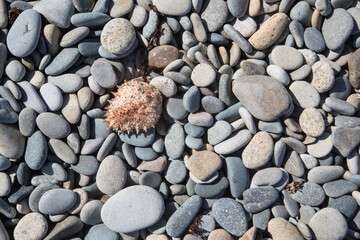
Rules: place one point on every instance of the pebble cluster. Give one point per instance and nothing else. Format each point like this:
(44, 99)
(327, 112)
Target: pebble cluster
(258, 137)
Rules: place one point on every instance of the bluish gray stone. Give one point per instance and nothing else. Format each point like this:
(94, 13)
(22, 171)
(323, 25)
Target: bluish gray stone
(36, 151)
(56, 201)
(179, 222)
(90, 19)
(212, 104)
(311, 194)
(302, 13)
(214, 14)
(6, 209)
(234, 143)
(238, 38)
(151, 179)
(8, 96)
(68, 83)
(346, 205)
(145, 153)
(314, 40)
(89, 47)
(341, 88)
(230, 215)
(213, 189)
(139, 140)
(324, 174)
(258, 199)
(73, 36)
(104, 73)
(193, 143)
(107, 146)
(5, 163)
(54, 170)
(219, 132)
(237, 8)
(87, 165)
(91, 212)
(51, 96)
(175, 172)
(341, 106)
(15, 70)
(175, 141)
(23, 174)
(53, 125)
(7, 114)
(260, 220)
(24, 34)
(20, 194)
(339, 188)
(150, 26)
(100, 231)
(238, 176)
(271, 127)
(194, 131)
(347, 122)
(191, 99)
(345, 139)
(337, 28)
(297, 31)
(175, 108)
(50, 10)
(63, 61)
(30, 97)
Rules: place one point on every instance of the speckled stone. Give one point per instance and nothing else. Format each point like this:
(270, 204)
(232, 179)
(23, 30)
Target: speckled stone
(323, 76)
(257, 199)
(280, 229)
(287, 57)
(259, 151)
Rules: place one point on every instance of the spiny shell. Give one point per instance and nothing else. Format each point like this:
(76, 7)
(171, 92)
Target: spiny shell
(136, 106)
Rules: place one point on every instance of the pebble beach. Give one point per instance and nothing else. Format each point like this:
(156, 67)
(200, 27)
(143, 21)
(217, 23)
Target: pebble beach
(179, 120)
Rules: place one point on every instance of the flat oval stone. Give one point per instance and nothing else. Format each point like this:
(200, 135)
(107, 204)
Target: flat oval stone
(311, 194)
(87, 165)
(218, 132)
(12, 142)
(161, 56)
(267, 177)
(165, 85)
(175, 141)
(279, 228)
(304, 94)
(257, 199)
(132, 209)
(346, 205)
(91, 212)
(101, 231)
(24, 34)
(68, 83)
(180, 220)
(36, 151)
(269, 31)
(328, 223)
(52, 96)
(36, 194)
(203, 75)
(174, 8)
(323, 76)
(337, 28)
(324, 174)
(314, 40)
(74, 36)
(118, 36)
(345, 139)
(237, 175)
(5, 186)
(63, 61)
(354, 72)
(30, 97)
(104, 73)
(312, 122)
(339, 188)
(259, 151)
(214, 14)
(234, 143)
(62, 151)
(31, 226)
(56, 201)
(264, 97)
(198, 160)
(90, 19)
(288, 58)
(120, 8)
(53, 125)
(230, 215)
(111, 176)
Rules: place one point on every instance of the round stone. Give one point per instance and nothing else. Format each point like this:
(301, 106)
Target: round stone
(304, 94)
(214, 14)
(287, 57)
(260, 198)
(12, 142)
(281, 229)
(100, 231)
(312, 122)
(53, 125)
(91, 212)
(161, 56)
(314, 40)
(204, 164)
(173, 8)
(328, 223)
(165, 85)
(104, 73)
(56, 201)
(259, 151)
(111, 176)
(321, 147)
(118, 36)
(132, 209)
(203, 75)
(52, 96)
(311, 194)
(323, 76)
(31, 226)
(20, 41)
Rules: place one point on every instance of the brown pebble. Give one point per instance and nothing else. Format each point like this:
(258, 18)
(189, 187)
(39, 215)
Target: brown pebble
(354, 99)
(161, 56)
(250, 68)
(52, 37)
(354, 69)
(219, 234)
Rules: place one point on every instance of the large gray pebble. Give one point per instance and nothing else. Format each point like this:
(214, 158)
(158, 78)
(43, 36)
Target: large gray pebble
(53, 125)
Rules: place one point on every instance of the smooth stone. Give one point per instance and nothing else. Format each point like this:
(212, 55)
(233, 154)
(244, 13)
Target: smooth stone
(49, 9)
(111, 175)
(340, 106)
(194, 143)
(328, 223)
(337, 28)
(104, 73)
(301, 73)
(175, 8)
(194, 131)
(12, 142)
(36, 194)
(56, 201)
(5, 186)
(30, 97)
(279, 57)
(138, 16)
(267, 177)
(304, 94)
(252, 90)
(297, 31)
(191, 99)
(161, 56)
(101, 231)
(53, 125)
(91, 212)
(259, 151)
(314, 40)
(62, 151)
(5, 163)
(269, 32)
(339, 188)
(181, 219)
(31, 226)
(280, 228)
(311, 122)
(165, 85)
(311, 194)
(234, 143)
(36, 151)
(346, 205)
(175, 172)
(176, 76)
(119, 217)
(237, 175)
(214, 14)
(245, 25)
(271, 127)
(230, 215)
(15, 70)
(74, 36)
(67, 227)
(341, 88)
(175, 141)
(238, 38)
(145, 153)
(63, 61)
(151, 179)
(323, 76)
(345, 140)
(278, 73)
(51, 96)
(7, 114)
(175, 108)
(354, 73)
(250, 68)
(87, 165)
(324, 174)
(347, 122)
(143, 139)
(118, 9)
(258, 199)
(90, 19)
(218, 132)
(203, 75)
(24, 34)
(213, 189)
(219, 234)
(68, 83)
(212, 104)
(201, 119)
(301, 12)
(118, 36)
(8, 96)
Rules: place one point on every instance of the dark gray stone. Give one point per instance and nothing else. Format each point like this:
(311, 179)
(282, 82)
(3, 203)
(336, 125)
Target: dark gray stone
(258, 199)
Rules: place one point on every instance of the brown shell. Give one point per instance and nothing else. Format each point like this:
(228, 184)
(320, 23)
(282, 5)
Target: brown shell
(136, 106)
